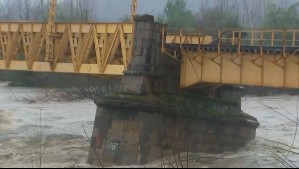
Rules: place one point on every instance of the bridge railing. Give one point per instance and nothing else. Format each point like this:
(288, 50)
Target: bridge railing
(235, 37)
(272, 38)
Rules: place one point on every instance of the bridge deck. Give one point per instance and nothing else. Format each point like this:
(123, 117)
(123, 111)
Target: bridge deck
(243, 49)
(271, 66)
(262, 57)
(231, 48)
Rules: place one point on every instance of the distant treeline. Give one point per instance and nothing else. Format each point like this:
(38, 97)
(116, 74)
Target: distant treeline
(37, 10)
(232, 14)
(211, 13)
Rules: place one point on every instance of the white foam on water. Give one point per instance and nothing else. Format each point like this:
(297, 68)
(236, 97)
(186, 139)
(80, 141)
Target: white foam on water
(6, 121)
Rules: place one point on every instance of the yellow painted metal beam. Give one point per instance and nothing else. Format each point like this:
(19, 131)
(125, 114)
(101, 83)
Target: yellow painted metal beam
(250, 69)
(227, 63)
(50, 31)
(105, 49)
(133, 10)
(188, 39)
(78, 48)
(113, 70)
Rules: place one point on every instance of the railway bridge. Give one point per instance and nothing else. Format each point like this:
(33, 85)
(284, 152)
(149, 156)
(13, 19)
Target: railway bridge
(261, 58)
(141, 123)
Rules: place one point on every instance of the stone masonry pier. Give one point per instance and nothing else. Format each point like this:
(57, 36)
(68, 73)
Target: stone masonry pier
(149, 118)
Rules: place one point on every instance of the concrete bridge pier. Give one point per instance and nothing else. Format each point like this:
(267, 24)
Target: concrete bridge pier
(149, 119)
(231, 93)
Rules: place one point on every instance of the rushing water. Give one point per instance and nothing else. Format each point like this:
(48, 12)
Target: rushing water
(53, 130)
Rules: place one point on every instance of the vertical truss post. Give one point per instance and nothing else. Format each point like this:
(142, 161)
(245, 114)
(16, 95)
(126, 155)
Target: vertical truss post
(133, 9)
(50, 31)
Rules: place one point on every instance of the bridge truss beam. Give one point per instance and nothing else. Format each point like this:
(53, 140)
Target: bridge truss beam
(99, 48)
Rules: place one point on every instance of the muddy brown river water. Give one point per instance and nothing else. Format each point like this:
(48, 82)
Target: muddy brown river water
(35, 133)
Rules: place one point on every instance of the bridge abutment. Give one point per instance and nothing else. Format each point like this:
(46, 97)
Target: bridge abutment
(148, 119)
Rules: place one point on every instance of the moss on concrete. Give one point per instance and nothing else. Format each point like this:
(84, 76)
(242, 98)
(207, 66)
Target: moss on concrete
(175, 105)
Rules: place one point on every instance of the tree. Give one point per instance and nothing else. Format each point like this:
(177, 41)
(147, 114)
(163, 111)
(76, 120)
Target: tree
(125, 18)
(281, 17)
(24, 7)
(4, 10)
(75, 10)
(32, 10)
(251, 13)
(176, 14)
(223, 14)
